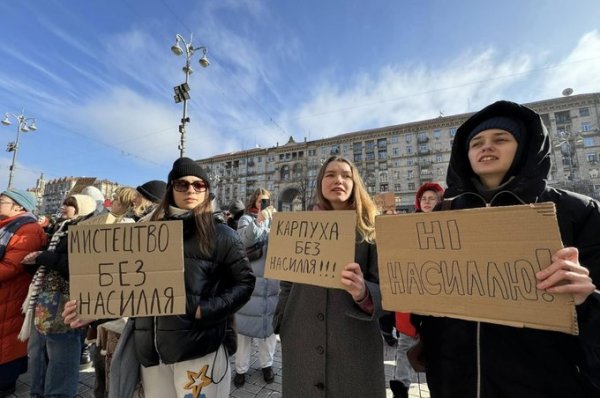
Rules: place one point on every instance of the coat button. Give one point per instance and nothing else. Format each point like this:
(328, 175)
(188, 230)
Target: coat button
(320, 386)
(320, 316)
(320, 350)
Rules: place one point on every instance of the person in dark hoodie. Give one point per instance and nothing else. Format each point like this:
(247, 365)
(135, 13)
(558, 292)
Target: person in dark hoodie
(500, 157)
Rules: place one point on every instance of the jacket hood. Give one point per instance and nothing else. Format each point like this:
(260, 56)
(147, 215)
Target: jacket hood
(528, 176)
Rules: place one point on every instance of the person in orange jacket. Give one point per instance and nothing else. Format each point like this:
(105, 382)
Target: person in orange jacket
(20, 234)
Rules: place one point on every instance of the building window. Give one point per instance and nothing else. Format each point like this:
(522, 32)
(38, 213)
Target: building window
(410, 162)
(410, 174)
(395, 139)
(370, 156)
(357, 157)
(382, 155)
(408, 138)
(357, 147)
(411, 186)
(588, 141)
(395, 151)
(437, 134)
(382, 143)
(562, 117)
(396, 163)
(584, 111)
(586, 126)
(592, 158)
(409, 149)
(439, 158)
(383, 187)
(383, 177)
(397, 187)
(452, 132)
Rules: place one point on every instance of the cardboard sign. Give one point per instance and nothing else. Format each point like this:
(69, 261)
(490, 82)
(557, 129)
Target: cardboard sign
(385, 201)
(130, 269)
(80, 184)
(311, 247)
(476, 264)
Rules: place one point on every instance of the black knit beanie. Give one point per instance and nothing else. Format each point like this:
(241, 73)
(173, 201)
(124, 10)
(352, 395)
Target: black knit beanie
(187, 167)
(513, 126)
(153, 190)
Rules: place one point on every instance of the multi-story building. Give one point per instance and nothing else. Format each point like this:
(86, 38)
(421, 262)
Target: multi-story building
(55, 191)
(402, 157)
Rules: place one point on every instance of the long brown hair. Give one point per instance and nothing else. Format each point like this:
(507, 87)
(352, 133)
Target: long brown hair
(359, 199)
(203, 215)
(251, 203)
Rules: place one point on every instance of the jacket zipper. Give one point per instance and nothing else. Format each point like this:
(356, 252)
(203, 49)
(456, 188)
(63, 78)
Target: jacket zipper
(478, 359)
(155, 340)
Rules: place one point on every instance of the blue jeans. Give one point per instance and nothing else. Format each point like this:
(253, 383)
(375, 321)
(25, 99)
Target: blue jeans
(54, 364)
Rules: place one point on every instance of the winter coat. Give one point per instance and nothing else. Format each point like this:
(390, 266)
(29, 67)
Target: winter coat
(219, 285)
(501, 361)
(330, 347)
(14, 282)
(255, 318)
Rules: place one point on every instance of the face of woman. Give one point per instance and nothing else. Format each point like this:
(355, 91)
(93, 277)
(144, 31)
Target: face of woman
(189, 192)
(337, 184)
(428, 201)
(137, 199)
(68, 212)
(491, 153)
(258, 200)
(117, 207)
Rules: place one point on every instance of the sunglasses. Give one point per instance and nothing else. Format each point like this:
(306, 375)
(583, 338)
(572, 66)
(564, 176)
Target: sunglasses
(183, 185)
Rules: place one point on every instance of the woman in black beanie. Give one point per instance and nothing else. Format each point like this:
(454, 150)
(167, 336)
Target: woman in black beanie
(149, 195)
(185, 355)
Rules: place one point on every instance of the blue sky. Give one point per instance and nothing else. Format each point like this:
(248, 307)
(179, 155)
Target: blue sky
(98, 76)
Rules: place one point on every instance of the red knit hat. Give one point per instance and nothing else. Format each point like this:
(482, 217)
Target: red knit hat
(428, 186)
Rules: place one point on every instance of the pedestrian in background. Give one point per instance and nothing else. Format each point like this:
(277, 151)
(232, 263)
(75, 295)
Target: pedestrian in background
(150, 194)
(429, 195)
(236, 211)
(501, 157)
(255, 319)
(54, 348)
(20, 234)
(330, 339)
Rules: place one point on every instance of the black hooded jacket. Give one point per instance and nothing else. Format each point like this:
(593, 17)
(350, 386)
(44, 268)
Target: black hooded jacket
(475, 359)
(219, 286)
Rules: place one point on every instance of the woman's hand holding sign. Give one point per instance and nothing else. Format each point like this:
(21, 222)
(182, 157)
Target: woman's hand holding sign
(354, 282)
(566, 276)
(71, 317)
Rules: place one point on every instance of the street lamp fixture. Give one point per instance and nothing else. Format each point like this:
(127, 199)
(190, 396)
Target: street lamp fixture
(182, 91)
(567, 143)
(24, 125)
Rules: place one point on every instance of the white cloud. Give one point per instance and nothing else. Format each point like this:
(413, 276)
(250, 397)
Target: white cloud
(579, 70)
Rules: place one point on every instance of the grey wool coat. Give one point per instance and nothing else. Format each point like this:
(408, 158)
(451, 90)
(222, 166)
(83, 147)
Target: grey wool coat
(330, 347)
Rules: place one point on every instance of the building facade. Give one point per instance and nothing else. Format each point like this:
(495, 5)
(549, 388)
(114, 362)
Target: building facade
(402, 157)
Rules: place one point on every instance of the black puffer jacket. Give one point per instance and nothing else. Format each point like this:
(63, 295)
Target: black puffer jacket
(219, 285)
(475, 359)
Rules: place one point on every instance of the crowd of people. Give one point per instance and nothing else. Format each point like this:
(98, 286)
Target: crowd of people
(331, 339)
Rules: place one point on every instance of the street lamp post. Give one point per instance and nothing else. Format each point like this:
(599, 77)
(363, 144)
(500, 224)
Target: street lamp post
(22, 127)
(182, 91)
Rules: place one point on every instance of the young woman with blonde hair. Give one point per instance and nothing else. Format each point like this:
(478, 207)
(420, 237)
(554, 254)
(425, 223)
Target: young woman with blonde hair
(331, 345)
